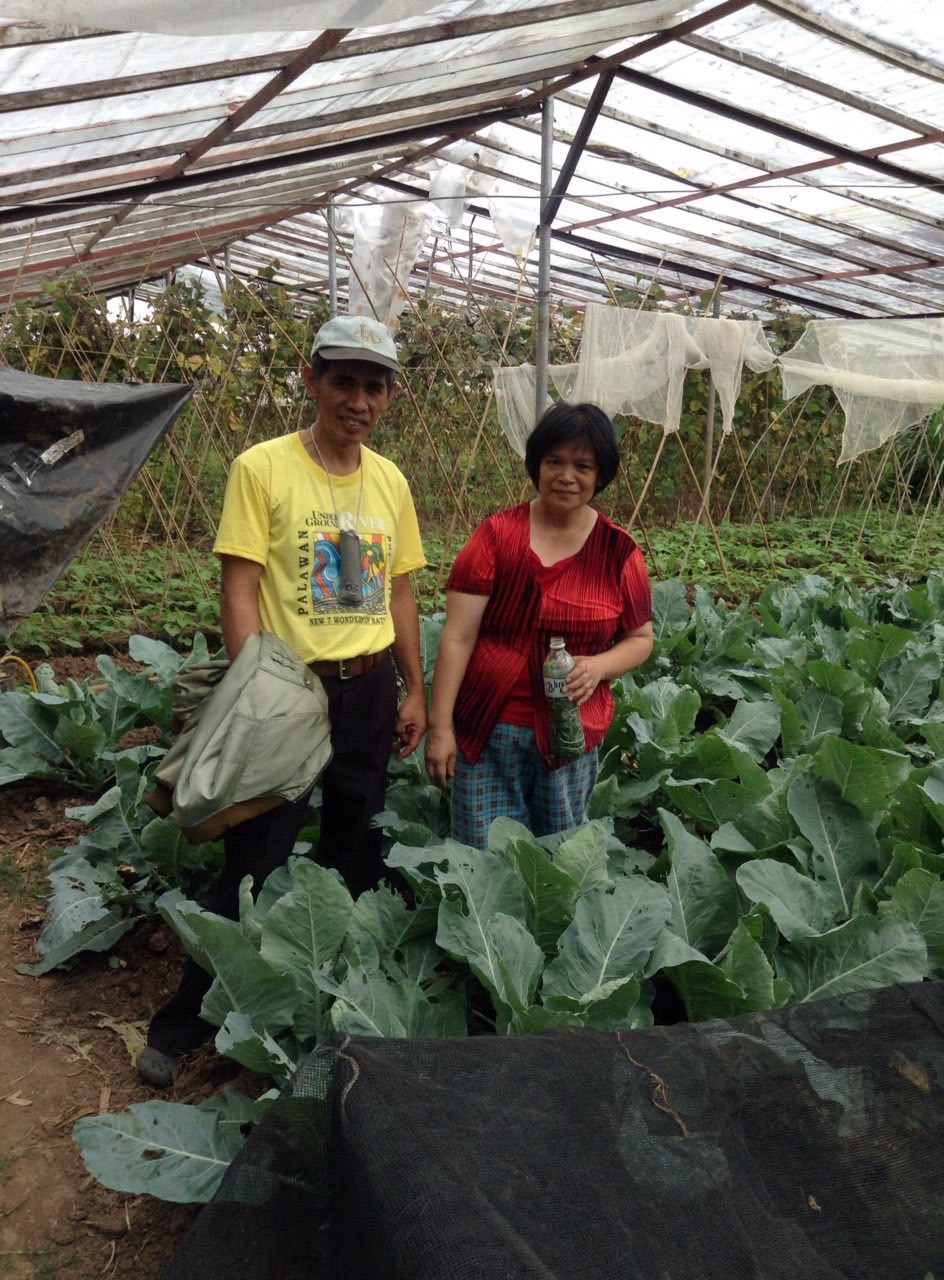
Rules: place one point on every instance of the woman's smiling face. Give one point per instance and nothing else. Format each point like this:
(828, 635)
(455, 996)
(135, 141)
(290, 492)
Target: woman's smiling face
(568, 476)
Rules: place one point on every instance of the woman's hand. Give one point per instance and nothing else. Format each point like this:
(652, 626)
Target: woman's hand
(631, 650)
(587, 673)
(440, 756)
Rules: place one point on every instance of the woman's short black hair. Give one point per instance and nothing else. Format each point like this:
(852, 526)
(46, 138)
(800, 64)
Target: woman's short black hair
(566, 423)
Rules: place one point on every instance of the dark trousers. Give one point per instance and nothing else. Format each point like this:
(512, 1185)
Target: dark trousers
(362, 712)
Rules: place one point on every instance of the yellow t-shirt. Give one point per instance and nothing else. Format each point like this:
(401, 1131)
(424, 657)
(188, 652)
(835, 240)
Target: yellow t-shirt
(279, 511)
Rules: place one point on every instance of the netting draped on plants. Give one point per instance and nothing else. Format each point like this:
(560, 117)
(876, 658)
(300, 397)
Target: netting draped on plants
(887, 375)
(796, 1142)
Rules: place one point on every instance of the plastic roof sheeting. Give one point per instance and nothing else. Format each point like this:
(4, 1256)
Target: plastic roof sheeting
(788, 153)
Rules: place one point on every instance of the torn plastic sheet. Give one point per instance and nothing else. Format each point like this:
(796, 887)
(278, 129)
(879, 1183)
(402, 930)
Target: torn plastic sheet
(68, 451)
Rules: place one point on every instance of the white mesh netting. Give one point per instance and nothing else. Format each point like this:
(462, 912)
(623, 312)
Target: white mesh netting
(887, 375)
(635, 362)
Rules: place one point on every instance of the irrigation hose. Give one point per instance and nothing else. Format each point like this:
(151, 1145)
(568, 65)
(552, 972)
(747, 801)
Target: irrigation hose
(21, 662)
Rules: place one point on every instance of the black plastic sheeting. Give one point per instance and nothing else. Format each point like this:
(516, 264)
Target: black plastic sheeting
(806, 1142)
(68, 451)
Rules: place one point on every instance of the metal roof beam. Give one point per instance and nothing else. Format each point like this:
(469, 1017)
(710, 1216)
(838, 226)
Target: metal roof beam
(64, 95)
(234, 174)
(567, 169)
(626, 253)
(709, 277)
(291, 71)
(868, 158)
(776, 235)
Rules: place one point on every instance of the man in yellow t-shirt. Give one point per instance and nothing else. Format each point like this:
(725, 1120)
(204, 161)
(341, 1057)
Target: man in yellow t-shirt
(316, 542)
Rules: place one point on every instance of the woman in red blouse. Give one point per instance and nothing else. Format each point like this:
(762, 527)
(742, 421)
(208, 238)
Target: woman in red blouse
(551, 566)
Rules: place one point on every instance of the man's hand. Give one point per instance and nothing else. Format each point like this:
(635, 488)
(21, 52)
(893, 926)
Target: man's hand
(410, 723)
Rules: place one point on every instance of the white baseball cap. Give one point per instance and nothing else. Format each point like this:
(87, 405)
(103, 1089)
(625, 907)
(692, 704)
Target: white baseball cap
(356, 338)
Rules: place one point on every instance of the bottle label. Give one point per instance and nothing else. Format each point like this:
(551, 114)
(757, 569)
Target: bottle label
(554, 686)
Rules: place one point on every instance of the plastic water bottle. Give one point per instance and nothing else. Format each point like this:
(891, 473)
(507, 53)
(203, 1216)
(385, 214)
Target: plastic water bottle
(567, 740)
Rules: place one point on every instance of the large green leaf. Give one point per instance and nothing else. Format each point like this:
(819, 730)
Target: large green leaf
(876, 731)
(238, 1039)
(476, 885)
(802, 907)
(819, 713)
(705, 989)
(932, 793)
(868, 951)
(550, 892)
(909, 687)
(177, 910)
(385, 918)
(671, 614)
(79, 916)
(369, 1003)
(618, 796)
(745, 963)
(611, 938)
(422, 962)
(520, 964)
(754, 727)
(617, 1004)
(168, 852)
(843, 845)
(869, 651)
(792, 733)
(779, 651)
(166, 1149)
(163, 660)
(130, 698)
(761, 827)
(703, 784)
(116, 818)
(15, 765)
(477, 891)
(420, 865)
(244, 981)
(303, 931)
(28, 722)
(865, 777)
(919, 898)
(663, 716)
(584, 857)
(98, 934)
(703, 897)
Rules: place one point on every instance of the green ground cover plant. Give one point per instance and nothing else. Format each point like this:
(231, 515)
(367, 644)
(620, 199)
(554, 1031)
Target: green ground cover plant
(768, 827)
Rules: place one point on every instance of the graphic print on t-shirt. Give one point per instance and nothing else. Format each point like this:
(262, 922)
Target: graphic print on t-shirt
(326, 571)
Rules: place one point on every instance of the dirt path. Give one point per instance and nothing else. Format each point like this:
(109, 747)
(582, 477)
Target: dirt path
(67, 1044)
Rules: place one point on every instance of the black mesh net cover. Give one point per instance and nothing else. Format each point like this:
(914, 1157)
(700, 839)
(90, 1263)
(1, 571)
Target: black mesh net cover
(68, 451)
(798, 1144)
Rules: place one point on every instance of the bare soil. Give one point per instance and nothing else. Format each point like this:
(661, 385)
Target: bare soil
(67, 1047)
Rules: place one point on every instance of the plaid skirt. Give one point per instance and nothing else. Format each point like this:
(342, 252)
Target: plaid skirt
(511, 780)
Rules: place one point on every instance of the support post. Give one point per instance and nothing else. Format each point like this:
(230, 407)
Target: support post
(332, 263)
(709, 463)
(544, 260)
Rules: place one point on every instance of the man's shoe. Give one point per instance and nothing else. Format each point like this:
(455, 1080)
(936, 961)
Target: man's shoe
(156, 1068)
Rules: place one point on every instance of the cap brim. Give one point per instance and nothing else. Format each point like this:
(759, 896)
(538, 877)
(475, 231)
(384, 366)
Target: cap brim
(356, 353)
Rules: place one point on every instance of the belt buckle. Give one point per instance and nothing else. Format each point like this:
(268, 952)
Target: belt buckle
(342, 672)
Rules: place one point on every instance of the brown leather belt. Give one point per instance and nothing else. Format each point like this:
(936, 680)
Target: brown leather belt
(346, 668)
